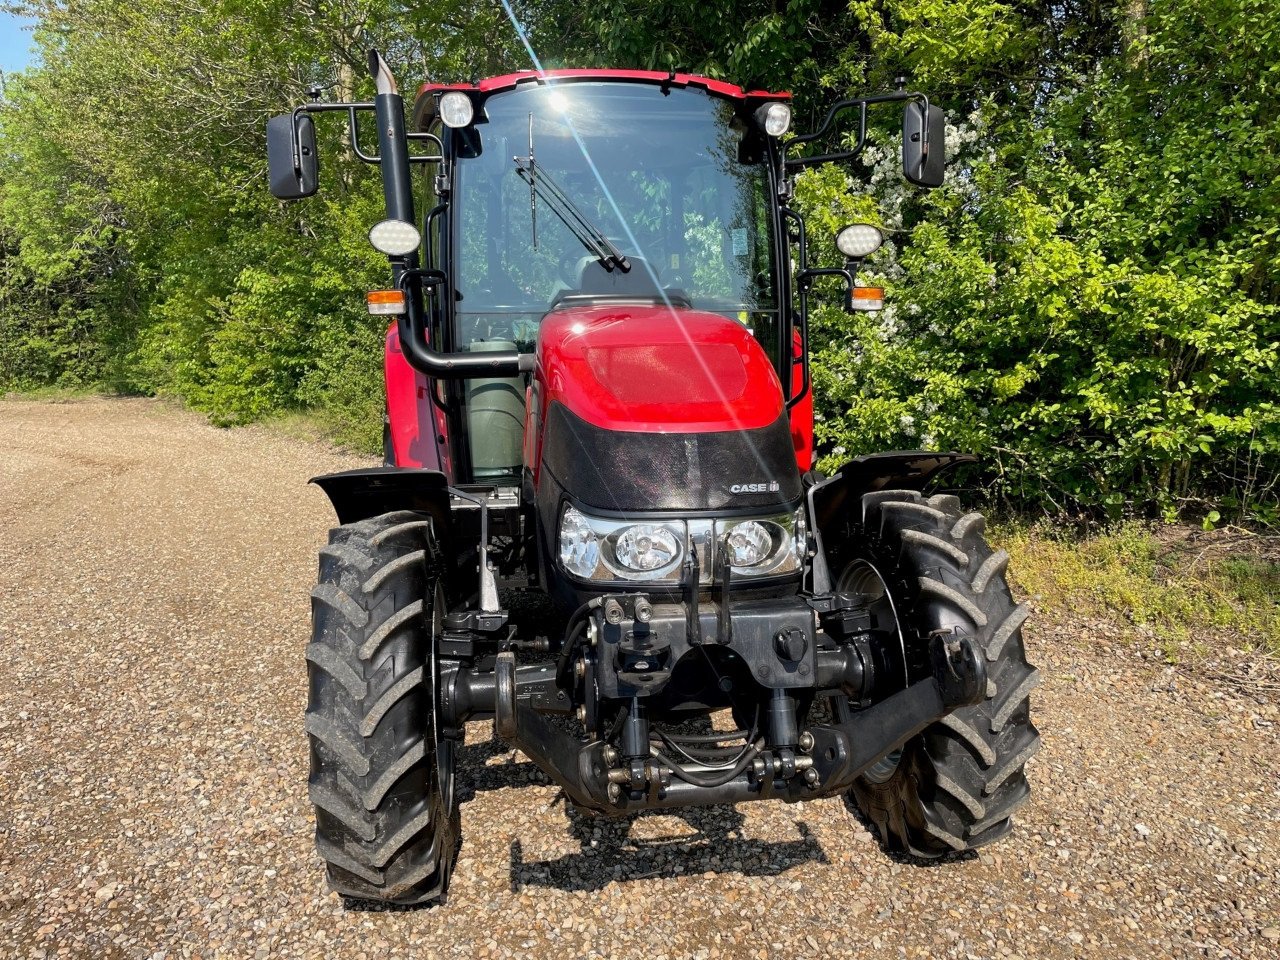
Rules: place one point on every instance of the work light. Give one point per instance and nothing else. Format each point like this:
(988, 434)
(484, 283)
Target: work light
(395, 238)
(456, 109)
(774, 118)
(859, 240)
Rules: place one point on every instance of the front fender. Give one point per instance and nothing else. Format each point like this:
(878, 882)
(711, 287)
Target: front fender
(359, 494)
(833, 503)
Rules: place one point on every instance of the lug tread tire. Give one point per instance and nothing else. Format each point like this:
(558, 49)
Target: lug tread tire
(382, 823)
(959, 781)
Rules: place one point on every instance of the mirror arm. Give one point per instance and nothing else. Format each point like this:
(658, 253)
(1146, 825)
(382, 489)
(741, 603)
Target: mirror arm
(799, 163)
(353, 126)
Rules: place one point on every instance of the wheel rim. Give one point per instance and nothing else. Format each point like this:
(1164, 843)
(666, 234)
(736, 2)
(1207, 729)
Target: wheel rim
(442, 746)
(862, 576)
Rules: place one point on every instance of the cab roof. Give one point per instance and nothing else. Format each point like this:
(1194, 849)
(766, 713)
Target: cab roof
(424, 107)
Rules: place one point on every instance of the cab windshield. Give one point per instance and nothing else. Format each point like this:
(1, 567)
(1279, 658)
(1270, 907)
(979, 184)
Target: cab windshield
(673, 182)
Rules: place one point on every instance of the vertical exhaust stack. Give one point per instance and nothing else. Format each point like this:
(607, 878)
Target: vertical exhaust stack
(393, 149)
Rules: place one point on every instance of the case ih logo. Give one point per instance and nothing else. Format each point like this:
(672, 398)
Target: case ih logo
(770, 487)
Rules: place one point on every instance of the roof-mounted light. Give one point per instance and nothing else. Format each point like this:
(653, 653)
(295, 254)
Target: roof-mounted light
(456, 109)
(395, 238)
(774, 118)
(859, 240)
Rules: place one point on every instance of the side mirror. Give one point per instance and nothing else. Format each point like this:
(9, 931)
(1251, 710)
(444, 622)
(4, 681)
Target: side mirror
(291, 163)
(923, 163)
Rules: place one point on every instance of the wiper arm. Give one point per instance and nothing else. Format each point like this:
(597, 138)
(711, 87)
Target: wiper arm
(586, 232)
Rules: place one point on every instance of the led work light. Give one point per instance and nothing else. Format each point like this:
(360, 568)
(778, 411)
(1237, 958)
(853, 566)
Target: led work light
(395, 238)
(859, 240)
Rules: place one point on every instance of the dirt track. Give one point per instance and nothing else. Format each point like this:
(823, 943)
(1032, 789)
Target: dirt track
(153, 608)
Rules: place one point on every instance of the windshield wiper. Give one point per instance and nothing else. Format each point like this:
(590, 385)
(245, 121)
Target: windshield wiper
(542, 184)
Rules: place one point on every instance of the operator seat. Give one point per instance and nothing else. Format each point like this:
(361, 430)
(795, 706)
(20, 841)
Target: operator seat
(595, 281)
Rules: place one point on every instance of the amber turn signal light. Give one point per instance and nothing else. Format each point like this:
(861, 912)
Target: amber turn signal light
(381, 302)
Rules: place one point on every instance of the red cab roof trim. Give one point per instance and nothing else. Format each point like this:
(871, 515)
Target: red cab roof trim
(511, 80)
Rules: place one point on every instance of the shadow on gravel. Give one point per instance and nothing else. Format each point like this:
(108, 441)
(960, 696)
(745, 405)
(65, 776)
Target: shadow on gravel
(897, 856)
(611, 852)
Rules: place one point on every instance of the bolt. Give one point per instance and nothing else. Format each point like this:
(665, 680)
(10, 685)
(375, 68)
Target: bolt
(610, 756)
(806, 741)
(582, 714)
(615, 792)
(580, 669)
(811, 777)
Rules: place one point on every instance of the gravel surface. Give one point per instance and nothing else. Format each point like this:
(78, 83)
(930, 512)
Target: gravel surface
(154, 574)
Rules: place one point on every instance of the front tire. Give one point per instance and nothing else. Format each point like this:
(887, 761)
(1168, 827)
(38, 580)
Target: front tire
(387, 823)
(954, 787)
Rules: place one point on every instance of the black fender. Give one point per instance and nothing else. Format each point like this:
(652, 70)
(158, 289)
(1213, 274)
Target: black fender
(359, 494)
(833, 502)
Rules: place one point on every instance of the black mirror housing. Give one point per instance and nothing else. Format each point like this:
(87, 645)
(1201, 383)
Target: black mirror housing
(292, 165)
(924, 164)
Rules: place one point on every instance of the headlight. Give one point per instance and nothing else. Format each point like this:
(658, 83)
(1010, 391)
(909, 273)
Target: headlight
(609, 551)
(644, 548)
(579, 545)
(748, 544)
(592, 548)
(763, 547)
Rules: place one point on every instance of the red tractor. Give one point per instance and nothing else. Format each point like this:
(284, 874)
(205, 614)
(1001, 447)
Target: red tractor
(599, 524)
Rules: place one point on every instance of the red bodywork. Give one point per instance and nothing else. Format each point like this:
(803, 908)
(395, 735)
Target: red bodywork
(425, 106)
(419, 429)
(802, 412)
(633, 368)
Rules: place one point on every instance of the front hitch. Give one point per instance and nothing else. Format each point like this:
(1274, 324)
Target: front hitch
(832, 756)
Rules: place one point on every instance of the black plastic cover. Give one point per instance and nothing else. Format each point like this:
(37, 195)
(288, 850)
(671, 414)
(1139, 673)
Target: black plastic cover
(624, 472)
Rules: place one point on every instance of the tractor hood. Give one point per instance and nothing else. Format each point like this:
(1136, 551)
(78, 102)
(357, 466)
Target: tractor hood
(657, 369)
(656, 408)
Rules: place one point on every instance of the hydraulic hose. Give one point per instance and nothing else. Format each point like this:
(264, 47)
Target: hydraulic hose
(573, 636)
(717, 780)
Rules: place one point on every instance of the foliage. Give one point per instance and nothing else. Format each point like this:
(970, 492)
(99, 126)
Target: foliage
(1180, 588)
(1092, 302)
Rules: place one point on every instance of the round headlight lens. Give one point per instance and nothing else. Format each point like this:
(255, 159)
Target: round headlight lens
(859, 240)
(456, 109)
(646, 547)
(748, 544)
(395, 238)
(776, 119)
(579, 545)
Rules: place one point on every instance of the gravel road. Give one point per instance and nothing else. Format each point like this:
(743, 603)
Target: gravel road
(154, 574)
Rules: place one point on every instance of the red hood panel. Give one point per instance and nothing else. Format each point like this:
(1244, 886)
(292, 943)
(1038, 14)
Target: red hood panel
(654, 369)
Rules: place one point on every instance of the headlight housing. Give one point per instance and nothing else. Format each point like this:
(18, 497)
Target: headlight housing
(612, 551)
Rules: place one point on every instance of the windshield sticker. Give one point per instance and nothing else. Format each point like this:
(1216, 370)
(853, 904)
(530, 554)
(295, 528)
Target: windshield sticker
(739, 235)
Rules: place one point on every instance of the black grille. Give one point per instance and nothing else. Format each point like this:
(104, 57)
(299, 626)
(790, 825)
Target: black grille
(628, 472)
